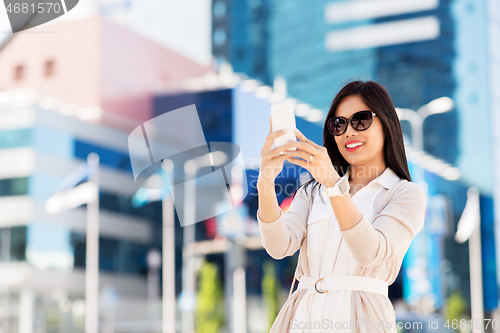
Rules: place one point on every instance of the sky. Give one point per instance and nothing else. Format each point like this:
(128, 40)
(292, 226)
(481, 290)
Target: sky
(183, 26)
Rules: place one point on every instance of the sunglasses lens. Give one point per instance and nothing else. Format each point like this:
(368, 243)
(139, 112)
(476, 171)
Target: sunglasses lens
(338, 126)
(359, 121)
(362, 120)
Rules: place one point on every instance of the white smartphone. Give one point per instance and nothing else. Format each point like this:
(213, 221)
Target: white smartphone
(283, 117)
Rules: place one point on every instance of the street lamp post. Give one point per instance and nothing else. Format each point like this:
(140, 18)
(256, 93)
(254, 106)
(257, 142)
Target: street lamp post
(167, 256)
(76, 195)
(469, 228)
(92, 252)
(154, 261)
(416, 120)
(168, 250)
(189, 277)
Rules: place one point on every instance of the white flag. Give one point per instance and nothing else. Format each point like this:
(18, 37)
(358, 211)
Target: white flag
(82, 194)
(70, 196)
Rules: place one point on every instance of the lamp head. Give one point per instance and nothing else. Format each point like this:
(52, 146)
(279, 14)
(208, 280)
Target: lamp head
(440, 105)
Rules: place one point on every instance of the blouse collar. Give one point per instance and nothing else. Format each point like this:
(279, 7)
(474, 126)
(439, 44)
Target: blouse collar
(387, 179)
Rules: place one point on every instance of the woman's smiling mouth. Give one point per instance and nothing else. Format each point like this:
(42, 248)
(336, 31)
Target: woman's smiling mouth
(354, 146)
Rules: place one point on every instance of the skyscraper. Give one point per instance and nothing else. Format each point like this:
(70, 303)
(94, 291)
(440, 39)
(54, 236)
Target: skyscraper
(419, 49)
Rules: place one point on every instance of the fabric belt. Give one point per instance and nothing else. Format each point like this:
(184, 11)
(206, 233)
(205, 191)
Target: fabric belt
(331, 283)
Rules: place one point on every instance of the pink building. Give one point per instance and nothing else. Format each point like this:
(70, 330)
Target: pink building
(94, 63)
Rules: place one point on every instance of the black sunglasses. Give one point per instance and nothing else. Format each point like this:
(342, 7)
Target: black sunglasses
(360, 121)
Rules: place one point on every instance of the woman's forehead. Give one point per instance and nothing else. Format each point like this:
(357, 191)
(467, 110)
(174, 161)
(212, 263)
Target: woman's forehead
(350, 105)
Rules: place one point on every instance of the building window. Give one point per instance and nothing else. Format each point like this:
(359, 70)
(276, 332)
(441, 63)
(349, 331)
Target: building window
(18, 72)
(49, 68)
(13, 244)
(117, 256)
(18, 243)
(219, 37)
(14, 186)
(15, 138)
(112, 158)
(219, 9)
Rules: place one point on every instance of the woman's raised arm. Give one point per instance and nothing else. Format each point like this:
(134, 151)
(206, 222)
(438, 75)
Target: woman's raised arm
(283, 236)
(271, 164)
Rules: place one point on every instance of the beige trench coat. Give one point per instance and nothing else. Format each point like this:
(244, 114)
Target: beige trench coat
(378, 246)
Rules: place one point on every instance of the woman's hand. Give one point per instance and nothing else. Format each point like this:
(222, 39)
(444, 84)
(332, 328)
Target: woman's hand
(321, 167)
(271, 164)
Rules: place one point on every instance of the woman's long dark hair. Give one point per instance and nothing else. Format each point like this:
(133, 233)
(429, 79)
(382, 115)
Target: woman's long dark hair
(377, 98)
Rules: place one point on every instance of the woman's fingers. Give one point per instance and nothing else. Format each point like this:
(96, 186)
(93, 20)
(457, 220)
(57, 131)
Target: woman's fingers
(270, 164)
(270, 139)
(300, 163)
(279, 149)
(303, 138)
(298, 153)
(305, 146)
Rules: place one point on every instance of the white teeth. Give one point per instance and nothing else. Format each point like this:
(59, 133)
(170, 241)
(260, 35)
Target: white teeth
(353, 145)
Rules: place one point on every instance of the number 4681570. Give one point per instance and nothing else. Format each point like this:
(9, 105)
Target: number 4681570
(41, 7)
(468, 324)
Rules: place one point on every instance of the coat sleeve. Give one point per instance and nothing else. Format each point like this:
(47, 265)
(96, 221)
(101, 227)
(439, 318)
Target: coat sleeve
(283, 237)
(393, 229)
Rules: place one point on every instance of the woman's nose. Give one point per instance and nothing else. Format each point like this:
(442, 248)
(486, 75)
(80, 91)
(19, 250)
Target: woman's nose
(350, 130)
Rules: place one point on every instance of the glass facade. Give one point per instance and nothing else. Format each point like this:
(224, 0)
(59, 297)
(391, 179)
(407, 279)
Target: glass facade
(415, 73)
(436, 48)
(450, 63)
(116, 255)
(15, 138)
(214, 110)
(240, 36)
(14, 186)
(109, 157)
(29, 242)
(13, 243)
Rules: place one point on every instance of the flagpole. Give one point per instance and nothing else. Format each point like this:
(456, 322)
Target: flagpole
(92, 251)
(168, 249)
(188, 271)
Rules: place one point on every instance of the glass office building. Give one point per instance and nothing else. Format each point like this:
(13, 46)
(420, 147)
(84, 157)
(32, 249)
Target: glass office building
(420, 50)
(240, 36)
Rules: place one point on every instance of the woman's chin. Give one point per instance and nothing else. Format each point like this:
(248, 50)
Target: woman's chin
(355, 161)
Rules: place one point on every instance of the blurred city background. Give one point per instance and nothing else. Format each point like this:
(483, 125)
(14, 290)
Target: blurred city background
(73, 90)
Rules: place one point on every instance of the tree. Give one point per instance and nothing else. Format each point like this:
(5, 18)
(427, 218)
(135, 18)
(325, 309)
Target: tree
(210, 300)
(456, 306)
(270, 292)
